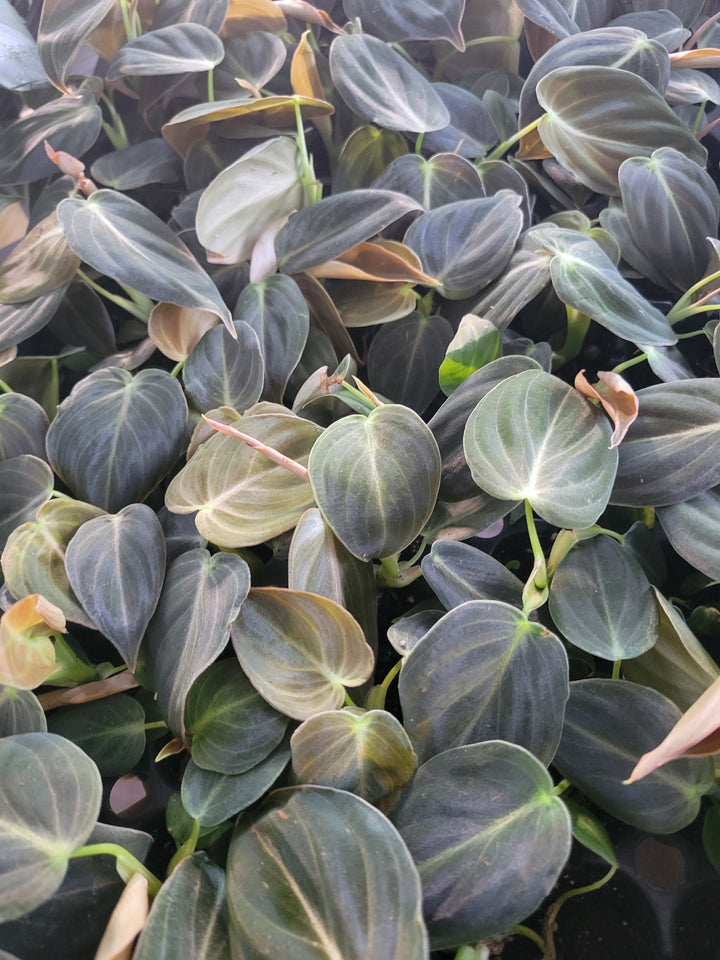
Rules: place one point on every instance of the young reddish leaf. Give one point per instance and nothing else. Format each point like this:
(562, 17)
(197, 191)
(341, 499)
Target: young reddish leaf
(697, 734)
(27, 654)
(617, 397)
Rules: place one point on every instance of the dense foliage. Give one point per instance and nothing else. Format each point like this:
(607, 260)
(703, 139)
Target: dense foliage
(359, 445)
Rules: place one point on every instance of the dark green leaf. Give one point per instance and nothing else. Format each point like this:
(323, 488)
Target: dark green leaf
(23, 425)
(126, 241)
(110, 731)
(116, 566)
(471, 131)
(64, 26)
(20, 712)
(588, 831)
(151, 161)
(178, 48)
(376, 479)
(309, 859)
(444, 178)
(437, 21)
(495, 676)
(458, 572)
(488, 837)
(18, 321)
(380, 86)
(50, 797)
(20, 66)
(25, 485)
(191, 625)
(232, 727)
(225, 371)
(365, 155)
(116, 436)
(609, 725)
(693, 529)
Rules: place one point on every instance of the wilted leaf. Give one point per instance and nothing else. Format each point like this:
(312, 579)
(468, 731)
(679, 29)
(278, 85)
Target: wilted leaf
(617, 397)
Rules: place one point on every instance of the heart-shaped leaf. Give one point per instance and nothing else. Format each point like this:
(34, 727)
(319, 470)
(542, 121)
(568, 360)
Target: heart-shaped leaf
(124, 240)
(177, 48)
(246, 197)
(191, 625)
(241, 496)
(380, 86)
(38, 837)
(64, 27)
(223, 371)
(111, 731)
(300, 650)
(20, 712)
(116, 436)
(597, 117)
(535, 438)
(504, 839)
(376, 479)
(33, 560)
(308, 859)
(495, 675)
(26, 483)
(609, 724)
(602, 601)
(150, 161)
(367, 753)
(458, 572)
(444, 178)
(23, 425)
(116, 566)
(232, 727)
(439, 21)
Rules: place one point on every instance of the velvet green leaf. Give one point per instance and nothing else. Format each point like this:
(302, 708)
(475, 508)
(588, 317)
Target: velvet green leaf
(178, 48)
(376, 479)
(33, 560)
(671, 207)
(278, 313)
(26, 483)
(64, 27)
(467, 244)
(20, 712)
(381, 87)
(49, 801)
(300, 650)
(150, 161)
(693, 528)
(602, 601)
(110, 731)
(535, 438)
(670, 453)
(189, 915)
(365, 155)
(116, 566)
(20, 66)
(246, 197)
(23, 425)
(231, 726)
(586, 279)
(488, 838)
(191, 625)
(458, 572)
(124, 240)
(495, 676)
(212, 797)
(335, 224)
(225, 371)
(367, 753)
(305, 862)
(421, 21)
(597, 117)
(471, 131)
(609, 725)
(432, 182)
(116, 436)
(241, 496)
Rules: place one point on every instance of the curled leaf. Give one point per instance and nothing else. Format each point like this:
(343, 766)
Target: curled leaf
(617, 397)
(27, 654)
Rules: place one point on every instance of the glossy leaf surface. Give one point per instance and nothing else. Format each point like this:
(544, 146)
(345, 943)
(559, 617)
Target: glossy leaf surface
(375, 479)
(310, 849)
(534, 438)
(422, 21)
(496, 676)
(116, 566)
(300, 650)
(178, 48)
(116, 435)
(488, 837)
(64, 27)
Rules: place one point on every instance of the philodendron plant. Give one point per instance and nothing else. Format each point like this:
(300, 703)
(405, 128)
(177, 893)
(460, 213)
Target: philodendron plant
(359, 444)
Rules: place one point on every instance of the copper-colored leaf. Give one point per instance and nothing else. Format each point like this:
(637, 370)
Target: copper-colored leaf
(697, 733)
(40, 263)
(126, 921)
(532, 148)
(617, 397)
(705, 58)
(88, 691)
(27, 654)
(304, 75)
(176, 331)
(13, 224)
(364, 302)
(384, 261)
(245, 16)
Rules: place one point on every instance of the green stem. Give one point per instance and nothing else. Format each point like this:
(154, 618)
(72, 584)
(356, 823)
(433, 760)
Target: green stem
(503, 147)
(698, 118)
(551, 915)
(122, 302)
(535, 591)
(6, 388)
(115, 130)
(577, 328)
(187, 849)
(53, 392)
(694, 309)
(139, 299)
(349, 702)
(523, 931)
(129, 16)
(154, 725)
(691, 291)
(418, 143)
(379, 699)
(176, 370)
(211, 85)
(125, 863)
(561, 787)
(632, 362)
(617, 664)
(313, 189)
